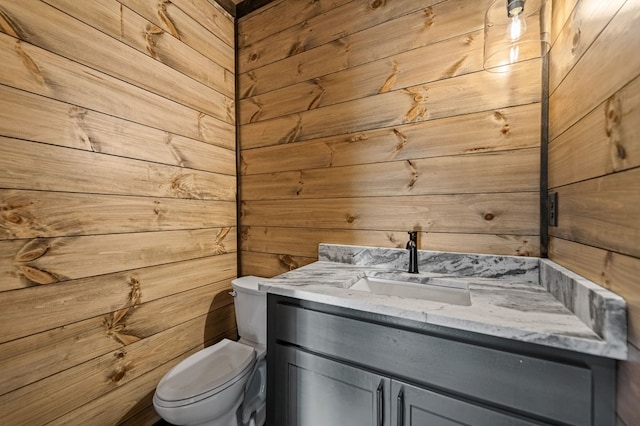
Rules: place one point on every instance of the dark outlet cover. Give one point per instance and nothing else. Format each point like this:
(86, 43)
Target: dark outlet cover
(553, 209)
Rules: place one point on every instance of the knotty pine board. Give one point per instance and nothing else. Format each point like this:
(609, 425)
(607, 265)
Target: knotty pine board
(279, 15)
(449, 58)
(64, 124)
(304, 241)
(125, 25)
(36, 357)
(39, 261)
(38, 71)
(100, 173)
(464, 94)
(502, 213)
(83, 383)
(605, 141)
(609, 64)
(602, 212)
(270, 265)
(55, 306)
(576, 37)
(444, 20)
(518, 170)
(211, 16)
(33, 214)
(339, 22)
(32, 21)
(488, 131)
(136, 396)
(166, 15)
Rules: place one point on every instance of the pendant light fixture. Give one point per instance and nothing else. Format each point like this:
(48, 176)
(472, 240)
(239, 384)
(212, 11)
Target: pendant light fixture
(515, 31)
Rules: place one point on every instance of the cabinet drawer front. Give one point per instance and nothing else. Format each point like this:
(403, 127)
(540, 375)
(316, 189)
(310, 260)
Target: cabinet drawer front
(536, 386)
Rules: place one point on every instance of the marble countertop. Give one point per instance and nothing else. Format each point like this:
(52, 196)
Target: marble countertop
(507, 298)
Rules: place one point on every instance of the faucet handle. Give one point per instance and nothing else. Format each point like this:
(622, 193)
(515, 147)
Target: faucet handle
(413, 236)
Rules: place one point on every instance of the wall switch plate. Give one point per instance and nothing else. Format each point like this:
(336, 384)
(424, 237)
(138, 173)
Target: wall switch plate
(553, 209)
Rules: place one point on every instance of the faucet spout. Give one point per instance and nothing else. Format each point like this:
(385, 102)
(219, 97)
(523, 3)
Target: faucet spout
(412, 246)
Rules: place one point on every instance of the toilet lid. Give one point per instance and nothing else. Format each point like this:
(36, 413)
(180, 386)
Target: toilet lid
(206, 370)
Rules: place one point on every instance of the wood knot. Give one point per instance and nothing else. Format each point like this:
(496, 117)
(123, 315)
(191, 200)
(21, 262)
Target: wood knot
(377, 3)
(14, 218)
(119, 373)
(489, 216)
(429, 17)
(351, 219)
(622, 153)
(254, 57)
(119, 354)
(505, 130)
(498, 116)
(576, 40)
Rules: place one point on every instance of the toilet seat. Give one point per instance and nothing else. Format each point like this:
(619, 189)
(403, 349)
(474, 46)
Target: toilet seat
(205, 373)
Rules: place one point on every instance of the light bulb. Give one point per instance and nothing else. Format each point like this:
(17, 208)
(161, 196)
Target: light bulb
(517, 27)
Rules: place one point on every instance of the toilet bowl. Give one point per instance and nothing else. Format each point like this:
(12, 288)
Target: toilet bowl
(224, 384)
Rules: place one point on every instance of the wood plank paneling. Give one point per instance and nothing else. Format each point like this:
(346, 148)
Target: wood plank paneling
(441, 175)
(136, 396)
(71, 126)
(76, 386)
(611, 202)
(35, 70)
(68, 302)
(487, 131)
(174, 21)
(210, 15)
(338, 22)
(423, 27)
(464, 94)
(609, 68)
(33, 21)
(104, 174)
(31, 214)
(304, 241)
(27, 360)
(470, 213)
(603, 142)
(269, 265)
(125, 25)
(38, 261)
(449, 58)
(279, 15)
(117, 202)
(581, 28)
(594, 159)
(356, 136)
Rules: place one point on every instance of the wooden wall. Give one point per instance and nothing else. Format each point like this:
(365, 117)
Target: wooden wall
(117, 202)
(362, 120)
(594, 158)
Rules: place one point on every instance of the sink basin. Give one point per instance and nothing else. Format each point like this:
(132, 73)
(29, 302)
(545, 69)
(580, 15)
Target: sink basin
(444, 290)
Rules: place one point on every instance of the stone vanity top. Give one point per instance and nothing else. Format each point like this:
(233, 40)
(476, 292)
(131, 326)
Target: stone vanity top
(521, 298)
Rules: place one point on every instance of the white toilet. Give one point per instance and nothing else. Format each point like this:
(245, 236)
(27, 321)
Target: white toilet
(224, 384)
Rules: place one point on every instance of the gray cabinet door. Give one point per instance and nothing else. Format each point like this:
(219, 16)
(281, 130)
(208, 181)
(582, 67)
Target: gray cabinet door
(315, 391)
(414, 406)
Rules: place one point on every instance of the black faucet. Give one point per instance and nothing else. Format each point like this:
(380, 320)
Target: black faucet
(412, 246)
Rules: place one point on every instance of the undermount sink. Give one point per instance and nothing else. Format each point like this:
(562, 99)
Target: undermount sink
(444, 290)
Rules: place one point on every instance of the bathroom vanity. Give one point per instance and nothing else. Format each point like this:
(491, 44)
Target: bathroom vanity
(525, 351)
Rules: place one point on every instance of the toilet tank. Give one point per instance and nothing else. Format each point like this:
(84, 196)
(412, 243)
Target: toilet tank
(251, 309)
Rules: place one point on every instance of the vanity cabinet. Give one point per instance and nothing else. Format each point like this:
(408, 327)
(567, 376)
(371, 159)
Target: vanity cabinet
(323, 392)
(336, 366)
